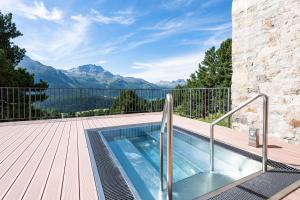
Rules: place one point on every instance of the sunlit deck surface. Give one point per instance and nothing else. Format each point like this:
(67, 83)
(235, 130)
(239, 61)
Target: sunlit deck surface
(48, 159)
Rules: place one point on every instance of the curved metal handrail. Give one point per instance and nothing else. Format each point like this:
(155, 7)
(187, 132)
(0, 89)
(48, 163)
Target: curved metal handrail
(265, 129)
(167, 118)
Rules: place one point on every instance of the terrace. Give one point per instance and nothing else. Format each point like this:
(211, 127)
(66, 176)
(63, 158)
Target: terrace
(49, 158)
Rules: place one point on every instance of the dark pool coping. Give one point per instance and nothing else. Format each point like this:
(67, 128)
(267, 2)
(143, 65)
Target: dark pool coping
(273, 164)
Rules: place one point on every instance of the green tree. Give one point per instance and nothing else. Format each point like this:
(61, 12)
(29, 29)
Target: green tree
(215, 70)
(11, 76)
(127, 102)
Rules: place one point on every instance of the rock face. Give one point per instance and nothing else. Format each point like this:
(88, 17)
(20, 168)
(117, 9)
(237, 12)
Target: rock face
(266, 58)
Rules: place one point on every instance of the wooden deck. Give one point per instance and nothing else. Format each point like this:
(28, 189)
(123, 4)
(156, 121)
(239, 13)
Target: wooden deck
(48, 159)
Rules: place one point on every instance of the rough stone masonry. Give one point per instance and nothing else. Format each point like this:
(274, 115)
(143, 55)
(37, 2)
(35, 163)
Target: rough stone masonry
(266, 58)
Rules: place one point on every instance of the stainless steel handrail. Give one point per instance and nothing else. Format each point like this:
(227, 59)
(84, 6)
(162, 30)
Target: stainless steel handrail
(167, 118)
(265, 129)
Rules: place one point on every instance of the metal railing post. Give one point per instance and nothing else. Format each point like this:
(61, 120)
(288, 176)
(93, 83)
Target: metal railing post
(80, 99)
(228, 107)
(29, 104)
(190, 103)
(265, 133)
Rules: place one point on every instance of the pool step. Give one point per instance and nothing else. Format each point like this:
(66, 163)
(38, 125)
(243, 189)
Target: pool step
(150, 149)
(199, 184)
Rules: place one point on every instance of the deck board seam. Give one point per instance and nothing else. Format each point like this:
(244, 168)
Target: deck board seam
(78, 158)
(40, 160)
(18, 138)
(25, 163)
(66, 158)
(56, 150)
(22, 151)
(12, 134)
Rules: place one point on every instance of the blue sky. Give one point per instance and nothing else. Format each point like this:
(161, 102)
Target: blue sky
(150, 39)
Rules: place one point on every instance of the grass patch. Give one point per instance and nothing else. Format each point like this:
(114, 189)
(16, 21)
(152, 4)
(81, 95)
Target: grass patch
(212, 117)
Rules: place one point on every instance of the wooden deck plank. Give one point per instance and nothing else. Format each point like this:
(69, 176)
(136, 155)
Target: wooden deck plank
(70, 187)
(293, 196)
(87, 183)
(19, 187)
(10, 173)
(36, 186)
(10, 156)
(10, 146)
(52, 189)
(8, 132)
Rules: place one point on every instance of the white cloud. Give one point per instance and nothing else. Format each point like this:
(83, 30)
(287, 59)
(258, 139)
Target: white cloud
(123, 17)
(34, 11)
(169, 69)
(139, 65)
(114, 46)
(175, 4)
(101, 62)
(59, 43)
(220, 27)
(219, 33)
(166, 25)
(68, 38)
(176, 26)
(209, 3)
(38, 57)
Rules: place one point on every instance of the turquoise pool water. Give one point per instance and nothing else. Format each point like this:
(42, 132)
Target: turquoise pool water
(136, 150)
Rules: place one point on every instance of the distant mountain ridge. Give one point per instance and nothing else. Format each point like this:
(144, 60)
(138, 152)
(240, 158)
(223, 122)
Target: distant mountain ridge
(171, 84)
(85, 76)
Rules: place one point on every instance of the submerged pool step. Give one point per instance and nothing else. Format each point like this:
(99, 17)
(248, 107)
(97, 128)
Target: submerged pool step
(199, 184)
(192, 154)
(182, 168)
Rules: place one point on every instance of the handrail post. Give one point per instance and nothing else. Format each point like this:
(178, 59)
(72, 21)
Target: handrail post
(161, 161)
(228, 107)
(212, 148)
(265, 129)
(167, 118)
(265, 133)
(170, 146)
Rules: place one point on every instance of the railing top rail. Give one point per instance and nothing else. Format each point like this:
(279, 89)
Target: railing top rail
(167, 89)
(198, 88)
(238, 108)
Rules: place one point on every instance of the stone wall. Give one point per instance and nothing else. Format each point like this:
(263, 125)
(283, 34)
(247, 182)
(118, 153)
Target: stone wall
(266, 58)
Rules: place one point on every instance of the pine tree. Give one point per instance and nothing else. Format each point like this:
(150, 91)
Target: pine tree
(215, 70)
(11, 76)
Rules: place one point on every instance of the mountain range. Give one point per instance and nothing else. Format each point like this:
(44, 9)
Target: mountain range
(171, 84)
(85, 76)
(88, 76)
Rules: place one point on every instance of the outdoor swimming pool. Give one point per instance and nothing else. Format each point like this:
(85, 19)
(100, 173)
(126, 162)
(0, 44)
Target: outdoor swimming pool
(135, 150)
